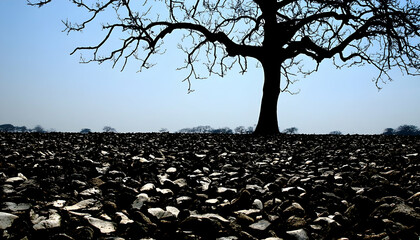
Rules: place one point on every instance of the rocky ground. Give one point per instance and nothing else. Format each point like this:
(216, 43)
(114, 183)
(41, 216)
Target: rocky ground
(176, 186)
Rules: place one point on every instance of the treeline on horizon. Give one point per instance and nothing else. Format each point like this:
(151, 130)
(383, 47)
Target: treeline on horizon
(403, 130)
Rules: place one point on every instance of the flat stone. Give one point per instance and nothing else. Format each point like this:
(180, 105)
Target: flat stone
(210, 216)
(14, 207)
(183, 199)
(91, 192)
(299, 234)
(248, 211)
(15, 180)
(6, 220)
(84, 204)
(261, 225)
(222, 190)
(102, 225)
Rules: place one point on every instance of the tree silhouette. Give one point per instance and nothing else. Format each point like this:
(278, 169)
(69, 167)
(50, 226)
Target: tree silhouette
(407, 130)
(292, 130)
(109, 129)
(39, 129)
(388, 131)
(277, 33)
(85, 130)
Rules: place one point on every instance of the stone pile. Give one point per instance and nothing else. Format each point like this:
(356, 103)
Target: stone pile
(198, 186)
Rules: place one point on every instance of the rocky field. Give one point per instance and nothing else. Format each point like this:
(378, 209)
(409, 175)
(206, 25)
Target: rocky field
(179, 186)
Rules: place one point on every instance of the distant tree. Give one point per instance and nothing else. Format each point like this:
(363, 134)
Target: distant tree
(163, 130)
(407, 130)
(109, 129)
(336, 133)
(224, 130)
(277, 33)
(85, 130)
(7, 128)
(21, 129)
(388, 131)
(38, 129)
(11, 128)
(240, 130)
(292, 130)
(250, 130)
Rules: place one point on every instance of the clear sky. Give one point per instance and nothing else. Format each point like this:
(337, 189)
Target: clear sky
(40, 83)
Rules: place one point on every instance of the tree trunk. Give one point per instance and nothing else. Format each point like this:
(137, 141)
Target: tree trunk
(267, 122)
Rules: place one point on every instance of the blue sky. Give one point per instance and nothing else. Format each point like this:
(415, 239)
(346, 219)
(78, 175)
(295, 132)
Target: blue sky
(40, 83)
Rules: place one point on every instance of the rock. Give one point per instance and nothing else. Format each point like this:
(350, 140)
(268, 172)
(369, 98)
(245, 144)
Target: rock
(84, 204)
(244, 219)
(205, 183)
(141, 199)
(97, 182)
(228, 238)
(165, 192)
(15, 207)
(243, 201)
(171, 170)
(295, 222)
(102, 225)
(159, 213)
(248, 212)
(41, 222)
(109, 207)
(124, 218)
(91, 192)
(173, 210)
(59, 203)
(148, 187)
(295, 209)
(405, 214)
(181, 182)
(84, 232)
(261, 225)
(212, 201)
(6, 220)
(299, 234)
(258, 204)
(210, 216)
(183, 200)
(227, 192)
(16, 180)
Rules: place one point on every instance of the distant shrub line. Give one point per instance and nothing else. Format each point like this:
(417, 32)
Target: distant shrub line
(403, 130)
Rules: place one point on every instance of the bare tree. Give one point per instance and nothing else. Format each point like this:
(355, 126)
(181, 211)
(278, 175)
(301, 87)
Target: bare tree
(277, 33)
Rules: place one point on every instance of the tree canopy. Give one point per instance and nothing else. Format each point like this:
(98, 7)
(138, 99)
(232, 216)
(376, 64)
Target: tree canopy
(220, 34)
